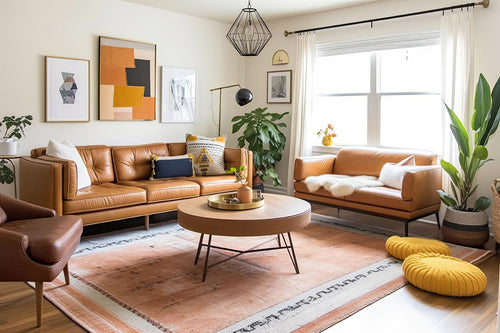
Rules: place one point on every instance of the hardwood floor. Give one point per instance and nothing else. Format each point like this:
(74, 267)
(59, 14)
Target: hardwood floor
(406, 310)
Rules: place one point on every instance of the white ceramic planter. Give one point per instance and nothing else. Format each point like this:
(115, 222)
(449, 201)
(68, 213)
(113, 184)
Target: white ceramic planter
(8, 146)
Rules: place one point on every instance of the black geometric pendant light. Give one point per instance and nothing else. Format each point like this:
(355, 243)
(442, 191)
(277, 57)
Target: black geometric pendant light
(249, 34)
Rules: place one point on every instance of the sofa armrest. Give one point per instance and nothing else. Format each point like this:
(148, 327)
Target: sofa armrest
(69, 175)
(236, 157)
(41, 183)
(421, 186)
(313, 166)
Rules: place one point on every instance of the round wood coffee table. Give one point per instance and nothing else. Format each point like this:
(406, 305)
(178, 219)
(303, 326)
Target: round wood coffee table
(279, 216)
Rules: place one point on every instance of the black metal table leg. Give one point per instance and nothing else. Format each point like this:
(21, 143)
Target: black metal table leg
(199, 249)
(206, 259)
(291, 252)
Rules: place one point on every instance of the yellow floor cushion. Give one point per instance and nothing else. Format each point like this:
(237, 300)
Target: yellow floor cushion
(444, 275)
(402, 247)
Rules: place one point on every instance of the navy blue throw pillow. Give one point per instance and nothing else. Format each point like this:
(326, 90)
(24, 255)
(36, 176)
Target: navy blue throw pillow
(173, 167)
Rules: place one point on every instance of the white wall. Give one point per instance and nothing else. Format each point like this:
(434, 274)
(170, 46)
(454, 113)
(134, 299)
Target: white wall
(487, 52)
(33, 29)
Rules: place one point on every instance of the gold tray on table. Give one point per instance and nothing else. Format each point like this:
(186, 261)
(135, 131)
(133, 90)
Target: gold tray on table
(222, 201)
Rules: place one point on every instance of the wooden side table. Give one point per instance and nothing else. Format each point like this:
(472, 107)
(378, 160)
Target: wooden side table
(9, 158)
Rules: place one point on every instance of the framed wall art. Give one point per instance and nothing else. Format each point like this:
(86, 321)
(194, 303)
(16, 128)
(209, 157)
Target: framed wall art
(127, 80)
(67, 87)
(178, 94)
(279, 87)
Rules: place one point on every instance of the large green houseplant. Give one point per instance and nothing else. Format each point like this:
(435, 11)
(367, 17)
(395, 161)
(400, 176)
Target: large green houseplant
(484, 123)
(13, 130)
(264, 138)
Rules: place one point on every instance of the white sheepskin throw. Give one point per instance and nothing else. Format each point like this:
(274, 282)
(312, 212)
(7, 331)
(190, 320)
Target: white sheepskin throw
(340, 185)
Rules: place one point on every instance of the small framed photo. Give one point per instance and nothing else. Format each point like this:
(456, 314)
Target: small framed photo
(178, 94)
(279, 87)
(67, 87)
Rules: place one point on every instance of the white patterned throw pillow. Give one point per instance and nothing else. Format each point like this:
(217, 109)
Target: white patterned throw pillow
(208, 154)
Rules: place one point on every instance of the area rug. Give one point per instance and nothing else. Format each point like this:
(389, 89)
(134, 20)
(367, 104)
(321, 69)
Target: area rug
(146, 281)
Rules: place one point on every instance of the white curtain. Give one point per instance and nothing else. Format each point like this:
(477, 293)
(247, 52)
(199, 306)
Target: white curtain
(457, 80)
(302, 104)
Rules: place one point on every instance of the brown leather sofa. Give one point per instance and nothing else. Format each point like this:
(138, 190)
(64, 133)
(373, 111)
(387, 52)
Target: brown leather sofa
(121, 187)
(35, 244)
(416, 199)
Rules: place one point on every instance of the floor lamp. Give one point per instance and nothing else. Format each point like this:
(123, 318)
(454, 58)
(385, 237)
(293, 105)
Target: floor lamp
(243, 96)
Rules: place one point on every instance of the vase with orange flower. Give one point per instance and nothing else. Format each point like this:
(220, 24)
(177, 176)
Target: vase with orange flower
(327, 135)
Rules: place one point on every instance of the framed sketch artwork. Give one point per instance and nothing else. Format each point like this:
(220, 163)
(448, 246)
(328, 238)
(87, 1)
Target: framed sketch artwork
(67, 88)
(178, 94)
(127, 80)
(279, 87)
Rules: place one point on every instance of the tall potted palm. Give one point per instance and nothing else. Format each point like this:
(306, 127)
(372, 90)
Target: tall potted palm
(264, 139)
(464, 223)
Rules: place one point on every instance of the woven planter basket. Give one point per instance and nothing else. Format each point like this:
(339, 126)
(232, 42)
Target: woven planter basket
(465, 228)
(495, 214)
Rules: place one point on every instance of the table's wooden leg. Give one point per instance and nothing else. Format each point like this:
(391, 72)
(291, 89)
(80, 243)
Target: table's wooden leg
(206, 259)
(199, 249)
(279, 240)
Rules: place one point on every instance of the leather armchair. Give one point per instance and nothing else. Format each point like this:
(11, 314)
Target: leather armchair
(35, 244)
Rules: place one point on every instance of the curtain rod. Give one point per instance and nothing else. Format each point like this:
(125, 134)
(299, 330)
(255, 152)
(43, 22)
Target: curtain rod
(484, 3)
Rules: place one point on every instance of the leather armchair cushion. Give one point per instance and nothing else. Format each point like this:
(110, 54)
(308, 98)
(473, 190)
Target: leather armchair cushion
(214, 184)
(104, 196)
(48, 238)
(165, 189)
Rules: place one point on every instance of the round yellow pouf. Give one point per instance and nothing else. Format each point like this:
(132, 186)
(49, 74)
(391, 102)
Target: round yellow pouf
(444, 275)
(402, 247)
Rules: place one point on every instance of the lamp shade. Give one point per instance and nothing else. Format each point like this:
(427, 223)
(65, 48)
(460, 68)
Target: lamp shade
(243, 96)
(249, 34)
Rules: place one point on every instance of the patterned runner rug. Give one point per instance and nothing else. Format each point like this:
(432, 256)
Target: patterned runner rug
(146, 281)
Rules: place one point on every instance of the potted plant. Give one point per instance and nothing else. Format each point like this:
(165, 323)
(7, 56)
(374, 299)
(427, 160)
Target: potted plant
(13, 130)
(464, 223)
(264, 139)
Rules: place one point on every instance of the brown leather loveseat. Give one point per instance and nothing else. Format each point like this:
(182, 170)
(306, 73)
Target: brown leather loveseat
(121, 187)
(416, 198)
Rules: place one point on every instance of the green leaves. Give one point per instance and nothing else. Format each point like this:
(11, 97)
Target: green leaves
(15, 125)
(6, 174)
(264, 138)
(484, 123)
(482, 103)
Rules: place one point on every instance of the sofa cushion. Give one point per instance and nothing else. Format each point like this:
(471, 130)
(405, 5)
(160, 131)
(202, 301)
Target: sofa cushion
(166, 189)
(104, 196)
(376, 196)
(64, 231)
(208, 154)
(352, 161)
(98, 162)
(214, 184)
(134, 162)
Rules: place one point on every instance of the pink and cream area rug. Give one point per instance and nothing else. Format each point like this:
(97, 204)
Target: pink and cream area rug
(146, 281)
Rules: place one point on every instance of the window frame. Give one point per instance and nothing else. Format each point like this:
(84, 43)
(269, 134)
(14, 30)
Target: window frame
(374, 97)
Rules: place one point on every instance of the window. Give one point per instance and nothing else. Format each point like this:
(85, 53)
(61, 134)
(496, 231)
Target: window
(389, 96)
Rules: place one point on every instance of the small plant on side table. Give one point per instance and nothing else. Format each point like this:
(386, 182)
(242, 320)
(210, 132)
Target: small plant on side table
(13, 128)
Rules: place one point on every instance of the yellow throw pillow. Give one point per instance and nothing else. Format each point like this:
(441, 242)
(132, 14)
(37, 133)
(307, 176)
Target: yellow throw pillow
(208, 154)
